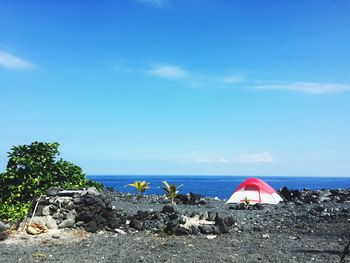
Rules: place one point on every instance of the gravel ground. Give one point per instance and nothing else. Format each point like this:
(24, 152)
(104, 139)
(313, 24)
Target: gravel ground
(282, 233)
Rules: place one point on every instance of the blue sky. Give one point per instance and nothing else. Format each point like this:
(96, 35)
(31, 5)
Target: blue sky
(199, 87)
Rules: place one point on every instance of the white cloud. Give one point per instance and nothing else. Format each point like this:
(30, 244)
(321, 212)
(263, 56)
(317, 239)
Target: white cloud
(10, 61)
(231, 79)
(208, 160)
(263, 157)
(222, 160)
(155, 3)
(205, 160)
(307, 87)
(168, 71)
(202, 160)
(193, 79)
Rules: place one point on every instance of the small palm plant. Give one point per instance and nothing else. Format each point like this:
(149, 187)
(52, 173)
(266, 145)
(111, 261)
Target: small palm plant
(247, 201)
(141, 187)
(171, 190)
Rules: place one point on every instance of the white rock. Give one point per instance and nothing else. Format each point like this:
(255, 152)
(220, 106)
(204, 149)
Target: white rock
(67, 223)
(265, 236)
(211, 236)
(92, 191)
(119, 231)
(72, 214)
(51, 223)
(46, 210)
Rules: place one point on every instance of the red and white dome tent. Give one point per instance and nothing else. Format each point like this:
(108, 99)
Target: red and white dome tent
(256, 191)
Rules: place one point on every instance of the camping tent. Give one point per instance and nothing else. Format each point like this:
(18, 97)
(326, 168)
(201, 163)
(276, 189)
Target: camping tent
(255, 190)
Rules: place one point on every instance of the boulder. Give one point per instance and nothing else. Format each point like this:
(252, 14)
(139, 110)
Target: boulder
(286, 193)
(90, 199)
(171, 226)
(136, 224)
(91, 227)
(51, 223)
(46, 210)
(57, 216)
(173, 216)
(71, 215)
(229, 220)
(93, 191)
(181, 231)
(143, 215)
(206, 229)
(100, 221)
(211, 216)
(195, 230)
(167, 209)
(190, 199)
(67, 223)
(222, 226)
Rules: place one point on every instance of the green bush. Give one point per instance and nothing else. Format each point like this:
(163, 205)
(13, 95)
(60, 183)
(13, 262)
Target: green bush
(30, 171)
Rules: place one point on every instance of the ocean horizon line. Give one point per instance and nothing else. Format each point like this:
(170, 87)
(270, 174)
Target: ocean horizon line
(211, 175)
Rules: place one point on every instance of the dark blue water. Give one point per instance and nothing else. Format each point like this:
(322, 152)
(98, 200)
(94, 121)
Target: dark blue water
(220, 186)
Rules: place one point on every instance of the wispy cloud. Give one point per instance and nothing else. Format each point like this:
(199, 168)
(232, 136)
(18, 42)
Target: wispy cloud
(168, 71)
(10, 61)
(230, 79)
(156, 3)
(307, 87)
(222, 160)
(205, 160)
(191, 78)
(208, 160)
(263, 157)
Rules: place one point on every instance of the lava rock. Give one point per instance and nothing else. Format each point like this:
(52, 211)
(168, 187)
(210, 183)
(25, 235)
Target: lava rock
(171, 226)
(211, 216)
(167, 209)
(190, 199)
(136, 224)
(182, 231)
(221, 224)
(206, 229)
(90, 200)
(91, 227)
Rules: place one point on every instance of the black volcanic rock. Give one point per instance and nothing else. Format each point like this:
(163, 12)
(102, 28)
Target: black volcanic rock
(167, 209)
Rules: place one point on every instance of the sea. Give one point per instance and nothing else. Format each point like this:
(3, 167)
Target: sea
(216, 186)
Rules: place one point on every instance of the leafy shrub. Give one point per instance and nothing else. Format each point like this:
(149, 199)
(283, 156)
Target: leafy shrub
(30, 171)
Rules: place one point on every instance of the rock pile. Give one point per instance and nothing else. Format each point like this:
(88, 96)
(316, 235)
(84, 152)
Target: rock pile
(93, 211)
(190, 199)
(66, 209)
(315, 196)
(170, 221)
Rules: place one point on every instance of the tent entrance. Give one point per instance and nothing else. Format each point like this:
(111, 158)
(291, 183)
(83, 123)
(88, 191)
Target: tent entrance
(252, 193)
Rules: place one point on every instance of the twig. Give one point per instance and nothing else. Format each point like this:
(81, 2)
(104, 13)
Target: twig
(36, 206)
